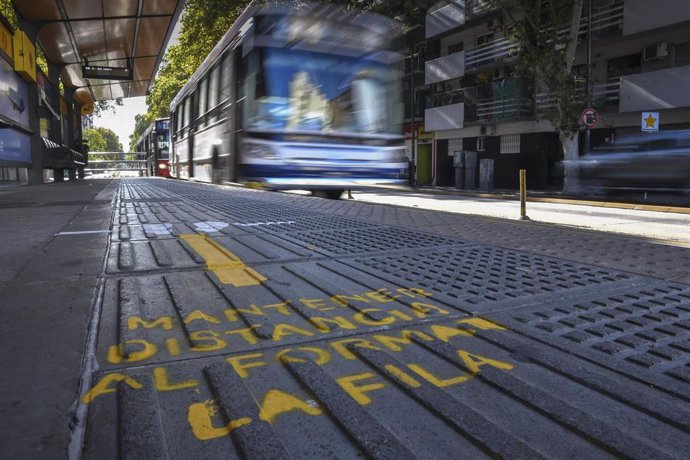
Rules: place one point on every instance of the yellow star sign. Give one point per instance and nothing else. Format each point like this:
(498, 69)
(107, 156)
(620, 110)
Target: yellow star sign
(650, 121)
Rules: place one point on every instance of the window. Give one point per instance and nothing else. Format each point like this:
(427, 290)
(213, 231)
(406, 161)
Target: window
(455, 47)
(510, 143)
(226, 78)
(213, 87)
(682, 54)
(480, 144)
(624, 65)
(201, 93)
(484, 39)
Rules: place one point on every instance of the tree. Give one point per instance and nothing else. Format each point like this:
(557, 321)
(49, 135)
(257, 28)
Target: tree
(102, 140)
(94, 139)
(547, 31)
(141, 122)
(103, 106)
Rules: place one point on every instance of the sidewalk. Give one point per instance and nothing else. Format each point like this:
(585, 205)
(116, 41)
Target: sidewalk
(54, 238)
(666, 203)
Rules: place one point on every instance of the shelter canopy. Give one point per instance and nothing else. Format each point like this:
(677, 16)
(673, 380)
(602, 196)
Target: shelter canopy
(111, 33)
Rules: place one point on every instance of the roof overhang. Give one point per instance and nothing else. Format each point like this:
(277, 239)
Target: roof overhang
(120, 34)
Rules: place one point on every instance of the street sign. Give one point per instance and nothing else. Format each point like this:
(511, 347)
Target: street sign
(589, 117)
(650, 122)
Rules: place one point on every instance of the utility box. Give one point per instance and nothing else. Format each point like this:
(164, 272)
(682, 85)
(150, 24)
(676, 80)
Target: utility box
(470, 169)
(459, 165)
(486, 174)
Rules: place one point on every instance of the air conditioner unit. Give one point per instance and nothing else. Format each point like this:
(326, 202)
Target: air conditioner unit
(655, 51)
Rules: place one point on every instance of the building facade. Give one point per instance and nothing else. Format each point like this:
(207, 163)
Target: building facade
(478, 107)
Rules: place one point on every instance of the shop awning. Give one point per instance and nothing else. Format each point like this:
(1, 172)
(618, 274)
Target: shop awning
(121, 34)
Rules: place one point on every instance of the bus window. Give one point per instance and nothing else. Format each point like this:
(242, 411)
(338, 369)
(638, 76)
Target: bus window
(202, 93)
(227, 78)
(308, 91)
(213, 89)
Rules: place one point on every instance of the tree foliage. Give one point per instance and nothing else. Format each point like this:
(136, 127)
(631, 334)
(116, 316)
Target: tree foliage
(100, 107)
(102, 139)
(141, 122)
(94, 139)
(204, 22)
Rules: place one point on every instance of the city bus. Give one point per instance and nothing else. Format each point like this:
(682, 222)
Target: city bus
(304, 97)
(155, 143)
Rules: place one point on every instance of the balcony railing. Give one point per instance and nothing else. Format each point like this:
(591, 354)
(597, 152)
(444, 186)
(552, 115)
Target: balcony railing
(502, 108)
(606, 18)
(445, 68)
(603, 94)
(444, 118)
(607, 94)
(444, 98)
(496, 50)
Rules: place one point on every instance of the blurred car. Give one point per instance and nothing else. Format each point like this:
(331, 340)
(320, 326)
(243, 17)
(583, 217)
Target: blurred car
(654, 161)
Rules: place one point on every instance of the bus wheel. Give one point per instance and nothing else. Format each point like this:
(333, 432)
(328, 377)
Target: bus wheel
(333, 194)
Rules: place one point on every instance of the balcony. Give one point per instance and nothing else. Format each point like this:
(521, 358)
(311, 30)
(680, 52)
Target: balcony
(445, 17)
(445, 117)
(445, 68)
(603, 95)
(502, 108)
(497, 50)
(661, 89)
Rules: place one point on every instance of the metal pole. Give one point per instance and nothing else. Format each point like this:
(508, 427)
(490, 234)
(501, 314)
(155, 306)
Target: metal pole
(523, 195)
(413, 172)
(589, 70)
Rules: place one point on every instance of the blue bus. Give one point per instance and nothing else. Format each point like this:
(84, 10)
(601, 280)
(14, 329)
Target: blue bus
(302, 97)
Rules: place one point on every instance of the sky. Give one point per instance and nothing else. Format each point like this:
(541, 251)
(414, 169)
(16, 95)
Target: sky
(122, 120)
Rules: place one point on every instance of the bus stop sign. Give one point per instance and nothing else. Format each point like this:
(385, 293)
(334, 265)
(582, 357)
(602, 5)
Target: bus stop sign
(589, 117)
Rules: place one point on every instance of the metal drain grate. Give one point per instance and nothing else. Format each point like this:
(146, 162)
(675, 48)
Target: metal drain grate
(370, 240)
(480, 274)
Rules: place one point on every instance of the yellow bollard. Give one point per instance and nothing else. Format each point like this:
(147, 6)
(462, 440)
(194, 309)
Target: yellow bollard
(523, 195)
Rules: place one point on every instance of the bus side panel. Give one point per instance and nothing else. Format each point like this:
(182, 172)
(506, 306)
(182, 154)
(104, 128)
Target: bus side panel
(209, 145)
(182, 158)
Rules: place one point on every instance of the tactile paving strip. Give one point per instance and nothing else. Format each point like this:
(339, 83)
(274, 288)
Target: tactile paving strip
(476, 276)
(182, 315)
(430, 391)
(358, 240)
(643, 331)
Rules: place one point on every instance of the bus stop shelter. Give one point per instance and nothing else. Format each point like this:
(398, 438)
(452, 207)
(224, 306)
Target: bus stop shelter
(96, 51)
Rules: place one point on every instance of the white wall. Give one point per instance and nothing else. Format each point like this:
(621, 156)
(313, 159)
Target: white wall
(642, 15)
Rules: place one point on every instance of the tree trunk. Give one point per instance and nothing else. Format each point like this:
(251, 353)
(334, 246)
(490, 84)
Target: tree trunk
(570, 156)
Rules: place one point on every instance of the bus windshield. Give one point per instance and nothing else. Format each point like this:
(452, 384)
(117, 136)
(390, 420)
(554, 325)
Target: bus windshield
(304, 91)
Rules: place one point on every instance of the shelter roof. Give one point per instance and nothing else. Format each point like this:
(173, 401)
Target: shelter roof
(104, 33)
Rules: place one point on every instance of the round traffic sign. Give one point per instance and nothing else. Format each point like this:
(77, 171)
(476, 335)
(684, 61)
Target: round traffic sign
(589, 117)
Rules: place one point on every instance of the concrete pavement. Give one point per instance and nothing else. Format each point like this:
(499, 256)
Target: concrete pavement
(188, 320)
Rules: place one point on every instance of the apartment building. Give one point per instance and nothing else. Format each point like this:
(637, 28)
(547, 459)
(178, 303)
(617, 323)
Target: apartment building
(476, 102)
